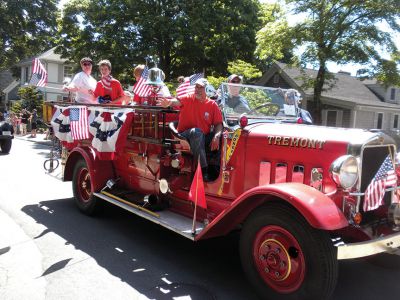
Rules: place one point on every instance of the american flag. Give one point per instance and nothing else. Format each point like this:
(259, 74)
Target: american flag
(187, 87)
(385, 177)
(79, 122)
(39, 73)
(141, 88)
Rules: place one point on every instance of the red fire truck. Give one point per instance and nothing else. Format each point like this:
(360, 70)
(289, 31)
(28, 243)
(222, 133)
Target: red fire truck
(302, 196)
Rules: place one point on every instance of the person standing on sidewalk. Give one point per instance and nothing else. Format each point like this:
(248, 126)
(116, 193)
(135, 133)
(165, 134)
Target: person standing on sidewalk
(24, 121)
(33, 120)
(14, 122)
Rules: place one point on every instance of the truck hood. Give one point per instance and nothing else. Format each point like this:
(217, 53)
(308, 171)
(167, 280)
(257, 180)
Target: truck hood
(354, 138)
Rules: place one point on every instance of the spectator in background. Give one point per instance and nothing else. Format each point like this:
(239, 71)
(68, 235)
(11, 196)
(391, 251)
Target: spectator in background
(82, 83)
(109, 89)
(14, 122)
(33, 120)
(24, 121)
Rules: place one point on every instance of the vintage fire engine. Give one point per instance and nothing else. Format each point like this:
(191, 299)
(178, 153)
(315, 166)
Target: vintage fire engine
(297, 193)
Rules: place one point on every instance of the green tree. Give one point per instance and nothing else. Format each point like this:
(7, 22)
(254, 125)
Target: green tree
(185, 36)
(31, 98)
(247, 70)
(27, 27)
(274, 39)
(344, 31)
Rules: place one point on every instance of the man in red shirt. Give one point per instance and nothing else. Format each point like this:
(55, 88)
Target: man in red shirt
(200, 122)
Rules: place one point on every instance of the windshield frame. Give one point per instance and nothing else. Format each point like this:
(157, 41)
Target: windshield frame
(255, 118)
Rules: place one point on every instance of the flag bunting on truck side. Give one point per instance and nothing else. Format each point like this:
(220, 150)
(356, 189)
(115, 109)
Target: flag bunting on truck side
(109, 128)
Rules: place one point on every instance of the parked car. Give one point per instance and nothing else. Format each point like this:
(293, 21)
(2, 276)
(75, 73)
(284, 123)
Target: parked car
(6, 135)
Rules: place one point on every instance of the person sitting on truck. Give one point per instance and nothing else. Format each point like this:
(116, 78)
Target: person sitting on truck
(82, 83)
(160, 91)
(108, 89)
(232, 98)
(200, 122)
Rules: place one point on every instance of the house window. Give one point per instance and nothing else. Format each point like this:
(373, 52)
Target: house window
(392, 94)
(68, 71)
(395, 121)
(276, 78)
(331, 118)
(379, 121)
(27, 74)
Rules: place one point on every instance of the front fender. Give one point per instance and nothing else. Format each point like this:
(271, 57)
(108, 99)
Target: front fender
(319, 210)
(100, 170)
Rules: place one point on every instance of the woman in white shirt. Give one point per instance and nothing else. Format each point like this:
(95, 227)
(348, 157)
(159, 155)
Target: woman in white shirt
(82, 83)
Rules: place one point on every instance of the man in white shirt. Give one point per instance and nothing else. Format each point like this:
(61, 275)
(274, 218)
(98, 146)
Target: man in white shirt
(82, 83)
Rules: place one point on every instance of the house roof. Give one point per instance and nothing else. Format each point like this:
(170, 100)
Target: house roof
(5, 79)
(344, 87)
(48, 55)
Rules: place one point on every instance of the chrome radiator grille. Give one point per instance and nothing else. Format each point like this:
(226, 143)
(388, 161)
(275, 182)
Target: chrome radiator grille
(372, 158)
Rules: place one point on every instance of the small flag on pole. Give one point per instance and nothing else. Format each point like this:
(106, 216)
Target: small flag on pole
(385, 177)
(141, 88)
(187, 87)
(196, 193)
(79, 123)
(39, 74)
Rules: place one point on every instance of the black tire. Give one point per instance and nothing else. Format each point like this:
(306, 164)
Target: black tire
(81, 187)
(285, 258)
(6, 146)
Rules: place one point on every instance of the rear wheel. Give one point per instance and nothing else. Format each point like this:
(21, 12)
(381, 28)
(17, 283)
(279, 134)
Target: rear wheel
(285, 258)
(82, 189)
(6, 146)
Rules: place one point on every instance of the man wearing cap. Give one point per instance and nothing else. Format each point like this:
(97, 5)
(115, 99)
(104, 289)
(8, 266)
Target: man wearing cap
(198, 116)
(232, 98)
(33, 119)
(82, 83)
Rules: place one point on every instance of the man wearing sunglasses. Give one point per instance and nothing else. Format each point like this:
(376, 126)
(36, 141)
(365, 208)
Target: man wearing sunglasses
(231, 98)
(82, 83)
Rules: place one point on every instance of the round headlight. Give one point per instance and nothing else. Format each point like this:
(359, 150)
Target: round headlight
(344, 171)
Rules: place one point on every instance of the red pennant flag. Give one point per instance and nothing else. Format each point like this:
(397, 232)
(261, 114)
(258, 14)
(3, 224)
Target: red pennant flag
(196, 193)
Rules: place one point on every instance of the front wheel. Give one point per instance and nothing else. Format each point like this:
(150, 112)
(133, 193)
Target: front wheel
(5, 146)
(82, 189)
(285, 258)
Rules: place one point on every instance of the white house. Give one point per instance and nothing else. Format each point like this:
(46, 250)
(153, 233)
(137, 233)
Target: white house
(57, 69)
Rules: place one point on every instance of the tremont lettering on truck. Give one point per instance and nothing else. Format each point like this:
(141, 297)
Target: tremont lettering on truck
(295, 142)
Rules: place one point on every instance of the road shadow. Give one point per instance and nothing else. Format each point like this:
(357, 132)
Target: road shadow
(141, 253)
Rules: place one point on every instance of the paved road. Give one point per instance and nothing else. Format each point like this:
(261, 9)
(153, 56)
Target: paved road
(48, 250)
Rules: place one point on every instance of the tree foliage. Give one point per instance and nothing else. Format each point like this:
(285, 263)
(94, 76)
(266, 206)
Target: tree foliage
(274, 39)
(30, 97)
(344, 31)
(26, 28)
(247, 70)
(184, 36)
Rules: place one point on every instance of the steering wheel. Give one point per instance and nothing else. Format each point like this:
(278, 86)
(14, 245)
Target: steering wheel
(273, 108)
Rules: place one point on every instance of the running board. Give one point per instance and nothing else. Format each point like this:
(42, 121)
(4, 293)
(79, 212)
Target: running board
(170, 220)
